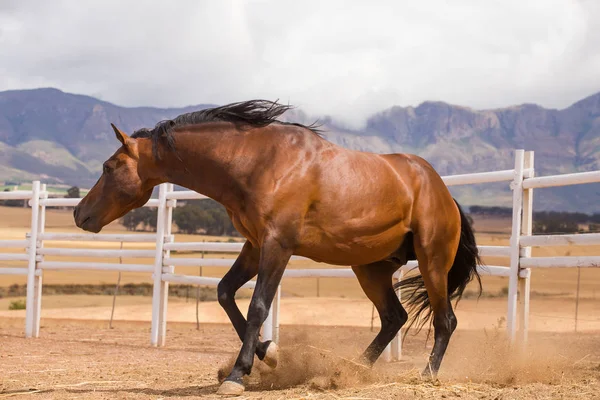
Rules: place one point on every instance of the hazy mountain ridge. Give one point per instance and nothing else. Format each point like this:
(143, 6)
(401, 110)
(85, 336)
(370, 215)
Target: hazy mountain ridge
(65, 137)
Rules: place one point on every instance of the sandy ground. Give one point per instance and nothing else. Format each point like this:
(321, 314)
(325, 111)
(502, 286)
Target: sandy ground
(77, 359)
(78, 356)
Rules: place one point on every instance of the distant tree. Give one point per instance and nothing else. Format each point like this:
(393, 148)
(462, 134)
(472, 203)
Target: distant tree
(555, 224)
(204, 215)
(188, 218)
(73, 193)
(563, 216)
(150, 220)
(150, 217)
(490, 211)
(140, 216)
(130, 220)
(544, 221)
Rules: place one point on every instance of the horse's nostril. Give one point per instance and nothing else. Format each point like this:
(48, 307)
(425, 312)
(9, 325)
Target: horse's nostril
(75, 213)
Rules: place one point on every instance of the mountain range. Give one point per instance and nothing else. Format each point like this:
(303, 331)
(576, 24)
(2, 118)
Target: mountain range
(64, 138)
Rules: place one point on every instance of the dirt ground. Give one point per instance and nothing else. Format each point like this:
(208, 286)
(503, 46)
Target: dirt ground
(85, 360)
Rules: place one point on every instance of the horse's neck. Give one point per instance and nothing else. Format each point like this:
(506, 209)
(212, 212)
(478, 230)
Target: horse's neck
(203, 164)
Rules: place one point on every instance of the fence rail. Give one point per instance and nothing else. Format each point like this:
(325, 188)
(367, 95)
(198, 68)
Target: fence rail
(562, 180)
(16, 195)
(100, 237)
(97, 253)
(561, 262)
(521, 179)
(14, 243)
(479, 177)
(561, 240)
(76, 265)
(13, 271)
(494, 251)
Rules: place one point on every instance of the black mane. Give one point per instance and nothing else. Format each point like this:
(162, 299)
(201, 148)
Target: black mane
(253, 113)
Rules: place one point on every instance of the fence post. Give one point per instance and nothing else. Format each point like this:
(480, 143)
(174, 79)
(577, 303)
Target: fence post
(276, 308)
(526, 230)
(37, 295)
(517, 207)
(270, 328)
(158, 302)
(112, 310)
(267, 328)
(387, 353)
(396, 345)
(32, 250)
(577, 296)
(164, 289)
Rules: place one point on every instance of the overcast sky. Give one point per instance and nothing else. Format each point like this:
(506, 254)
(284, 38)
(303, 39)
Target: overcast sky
(343, 58)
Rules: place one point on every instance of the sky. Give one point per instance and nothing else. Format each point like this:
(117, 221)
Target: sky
(346, 59)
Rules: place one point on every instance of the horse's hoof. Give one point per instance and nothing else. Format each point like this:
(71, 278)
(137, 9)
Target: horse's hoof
(230, 388)
(429, 376)
(272, 355)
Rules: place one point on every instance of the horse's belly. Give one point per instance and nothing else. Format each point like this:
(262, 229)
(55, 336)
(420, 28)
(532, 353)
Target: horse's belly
(356, 250)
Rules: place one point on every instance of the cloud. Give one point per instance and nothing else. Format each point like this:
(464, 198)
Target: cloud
(346, 59)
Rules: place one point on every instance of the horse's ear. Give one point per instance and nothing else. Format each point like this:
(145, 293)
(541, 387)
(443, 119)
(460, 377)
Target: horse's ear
(120, 135)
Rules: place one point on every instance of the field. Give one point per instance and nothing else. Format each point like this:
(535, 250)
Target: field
(325, 323)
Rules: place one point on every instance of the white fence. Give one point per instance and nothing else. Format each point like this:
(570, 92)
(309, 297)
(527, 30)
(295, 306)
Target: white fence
(522, 183)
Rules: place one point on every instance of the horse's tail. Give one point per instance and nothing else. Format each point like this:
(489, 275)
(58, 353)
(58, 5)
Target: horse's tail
(463, 270)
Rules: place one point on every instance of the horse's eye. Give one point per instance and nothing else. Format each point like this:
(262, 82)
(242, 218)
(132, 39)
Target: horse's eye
(106, 169)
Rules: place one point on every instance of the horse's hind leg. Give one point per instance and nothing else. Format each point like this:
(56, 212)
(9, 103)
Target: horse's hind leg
(244, 268)
(435, 262)
(376, 281)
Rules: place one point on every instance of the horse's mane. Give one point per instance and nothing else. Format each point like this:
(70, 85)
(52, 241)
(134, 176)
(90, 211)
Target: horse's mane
(252, 113)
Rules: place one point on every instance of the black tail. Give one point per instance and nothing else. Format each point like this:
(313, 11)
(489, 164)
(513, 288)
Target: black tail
(464, 269)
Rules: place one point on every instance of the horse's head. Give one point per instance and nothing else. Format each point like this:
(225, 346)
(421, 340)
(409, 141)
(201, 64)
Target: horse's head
(119, 190)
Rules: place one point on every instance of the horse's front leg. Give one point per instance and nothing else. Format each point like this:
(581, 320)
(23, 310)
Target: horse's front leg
(273, 260)
(244, 268)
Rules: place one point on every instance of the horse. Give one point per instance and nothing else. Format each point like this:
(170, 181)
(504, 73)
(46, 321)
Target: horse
(289, 191)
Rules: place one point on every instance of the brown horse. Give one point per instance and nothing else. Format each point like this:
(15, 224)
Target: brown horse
(290, 192)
